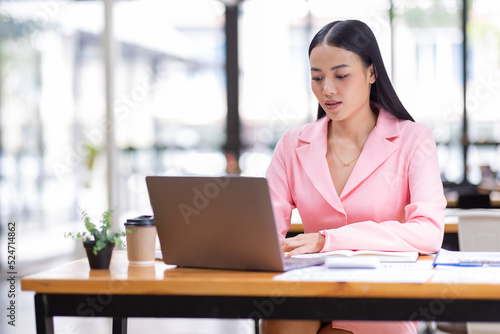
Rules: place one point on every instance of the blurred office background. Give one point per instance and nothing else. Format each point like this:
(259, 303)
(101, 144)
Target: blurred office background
(172, 114)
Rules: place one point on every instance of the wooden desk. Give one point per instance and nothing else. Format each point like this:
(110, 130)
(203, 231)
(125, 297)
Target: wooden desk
(162, 291)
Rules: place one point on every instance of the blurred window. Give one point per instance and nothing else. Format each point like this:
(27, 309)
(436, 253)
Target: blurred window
(483, 88)
(427, 72)
(51, 103)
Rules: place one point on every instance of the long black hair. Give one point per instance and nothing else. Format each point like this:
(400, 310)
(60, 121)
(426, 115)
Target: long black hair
(357, 37)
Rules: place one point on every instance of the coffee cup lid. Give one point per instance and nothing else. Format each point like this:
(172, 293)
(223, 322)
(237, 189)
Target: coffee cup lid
(140, 221)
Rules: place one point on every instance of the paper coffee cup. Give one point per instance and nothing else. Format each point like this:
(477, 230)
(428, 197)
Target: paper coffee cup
(141, 240)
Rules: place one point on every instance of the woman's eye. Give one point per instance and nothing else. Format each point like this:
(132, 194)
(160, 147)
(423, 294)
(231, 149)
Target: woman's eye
(317, 78)
(342, 76)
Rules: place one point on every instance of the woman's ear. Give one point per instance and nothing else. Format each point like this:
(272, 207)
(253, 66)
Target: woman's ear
(373, 73)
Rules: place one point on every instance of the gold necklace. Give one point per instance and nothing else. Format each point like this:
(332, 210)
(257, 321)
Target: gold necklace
(344, 164)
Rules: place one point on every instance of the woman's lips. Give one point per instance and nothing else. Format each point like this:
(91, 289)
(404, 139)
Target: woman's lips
(332, 104)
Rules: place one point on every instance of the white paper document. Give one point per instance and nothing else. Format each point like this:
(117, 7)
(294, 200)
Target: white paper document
(455, 274)
(418, 272)
(381, 256)
(467, 259)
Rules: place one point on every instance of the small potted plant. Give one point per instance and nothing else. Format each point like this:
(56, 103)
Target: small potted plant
(98, 241)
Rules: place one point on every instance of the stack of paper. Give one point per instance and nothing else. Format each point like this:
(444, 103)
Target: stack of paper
(418, 272)
(466, 259)
(381, 256)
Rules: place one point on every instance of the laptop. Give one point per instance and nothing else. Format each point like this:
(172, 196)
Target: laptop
(222, 222)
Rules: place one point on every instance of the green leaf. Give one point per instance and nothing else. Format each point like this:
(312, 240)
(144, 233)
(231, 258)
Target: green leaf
(98, 246)
(102, 234)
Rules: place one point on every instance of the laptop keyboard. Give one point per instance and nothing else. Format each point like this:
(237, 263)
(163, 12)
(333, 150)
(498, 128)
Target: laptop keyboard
(295, 263)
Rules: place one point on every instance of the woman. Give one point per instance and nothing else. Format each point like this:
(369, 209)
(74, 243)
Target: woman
(363, 176)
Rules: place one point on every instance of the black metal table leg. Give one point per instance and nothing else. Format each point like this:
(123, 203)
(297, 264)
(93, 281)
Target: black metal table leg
(119, 325)
(44, 323)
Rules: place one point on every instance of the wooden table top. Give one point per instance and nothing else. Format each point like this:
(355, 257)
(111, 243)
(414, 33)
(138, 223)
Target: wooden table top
(161, 279)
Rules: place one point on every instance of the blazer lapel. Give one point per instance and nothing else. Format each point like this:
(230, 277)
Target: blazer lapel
(378, 148)
(312, 155)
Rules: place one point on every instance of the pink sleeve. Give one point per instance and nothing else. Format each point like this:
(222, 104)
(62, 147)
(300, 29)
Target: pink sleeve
(424, 227)
(279, 190)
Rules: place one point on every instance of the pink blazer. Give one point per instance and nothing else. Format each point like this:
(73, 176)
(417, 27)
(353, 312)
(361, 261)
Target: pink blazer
(393, 199)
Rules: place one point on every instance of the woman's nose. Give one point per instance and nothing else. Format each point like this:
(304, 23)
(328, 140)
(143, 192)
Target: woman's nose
(329, 88)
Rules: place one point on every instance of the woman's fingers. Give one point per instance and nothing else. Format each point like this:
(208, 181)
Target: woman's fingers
(303, 243)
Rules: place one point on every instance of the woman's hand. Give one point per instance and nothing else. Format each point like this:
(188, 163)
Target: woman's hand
(303, 243)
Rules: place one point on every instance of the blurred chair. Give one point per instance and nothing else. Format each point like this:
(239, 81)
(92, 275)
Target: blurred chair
(478, 231)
